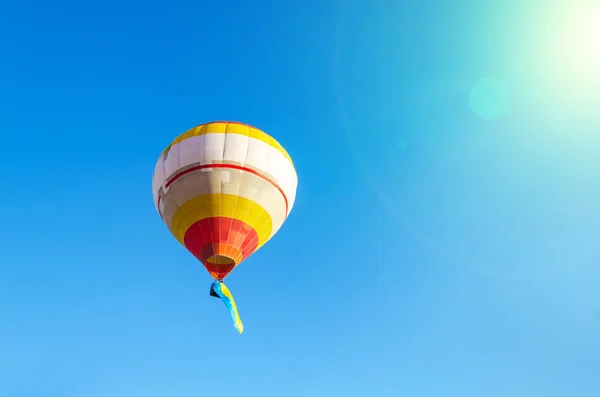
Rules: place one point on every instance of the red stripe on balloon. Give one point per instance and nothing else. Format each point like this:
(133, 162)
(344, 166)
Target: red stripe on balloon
(233, 167)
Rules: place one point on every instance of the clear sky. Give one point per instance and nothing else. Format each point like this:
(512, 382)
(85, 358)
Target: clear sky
(445, 237)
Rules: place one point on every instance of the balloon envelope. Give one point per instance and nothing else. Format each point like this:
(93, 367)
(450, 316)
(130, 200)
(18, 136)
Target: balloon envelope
(224, 189)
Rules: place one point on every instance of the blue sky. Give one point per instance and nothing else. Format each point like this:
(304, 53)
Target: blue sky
(431, 251)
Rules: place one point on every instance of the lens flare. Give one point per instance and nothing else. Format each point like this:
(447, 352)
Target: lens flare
(490, 98)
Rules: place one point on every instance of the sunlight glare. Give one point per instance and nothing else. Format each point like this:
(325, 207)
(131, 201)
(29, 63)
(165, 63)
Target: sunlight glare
(568, 55)
(587, 38)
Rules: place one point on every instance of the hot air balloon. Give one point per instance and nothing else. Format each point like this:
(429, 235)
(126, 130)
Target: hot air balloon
(223, 189)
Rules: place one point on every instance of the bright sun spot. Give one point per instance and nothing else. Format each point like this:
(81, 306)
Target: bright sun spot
(581, 45)
(590, 35)
(568, 56)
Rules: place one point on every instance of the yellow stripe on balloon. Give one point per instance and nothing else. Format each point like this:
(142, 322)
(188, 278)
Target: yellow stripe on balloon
(224, 260)
(230, 128)
(226, 205)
